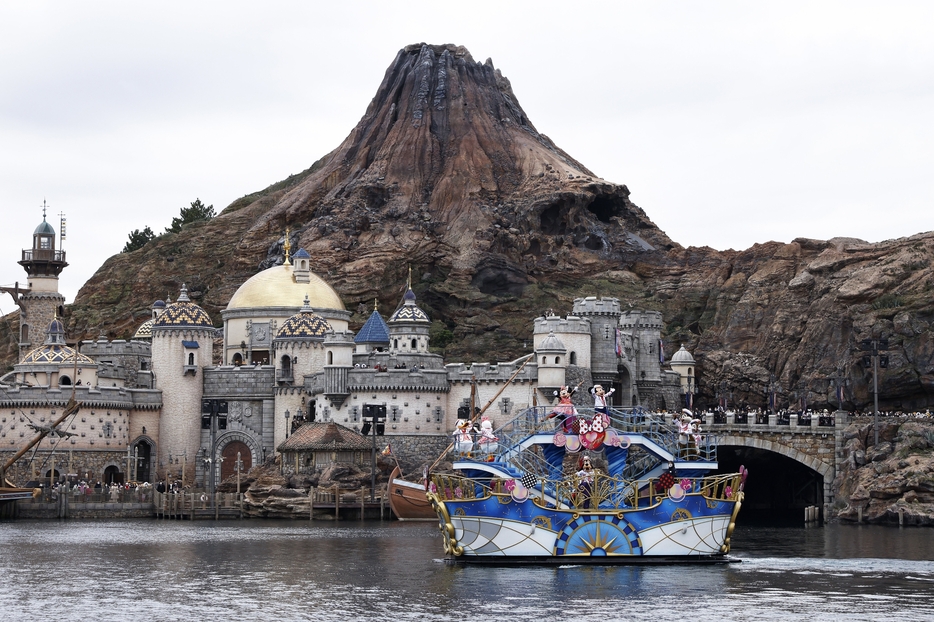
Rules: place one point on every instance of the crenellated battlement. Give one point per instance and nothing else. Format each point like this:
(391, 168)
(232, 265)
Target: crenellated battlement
(558, 325)
(591, 305)
(641, 320)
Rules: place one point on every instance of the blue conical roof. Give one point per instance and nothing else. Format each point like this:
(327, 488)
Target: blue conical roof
(374, 330)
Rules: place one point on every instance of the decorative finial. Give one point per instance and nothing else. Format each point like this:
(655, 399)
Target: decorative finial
(375, 304)
(44, 205)
(183, 296)
(287, 245)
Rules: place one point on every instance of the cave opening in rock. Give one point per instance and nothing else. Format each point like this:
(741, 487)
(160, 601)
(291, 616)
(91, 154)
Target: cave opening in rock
(554, 219)
(605, 207)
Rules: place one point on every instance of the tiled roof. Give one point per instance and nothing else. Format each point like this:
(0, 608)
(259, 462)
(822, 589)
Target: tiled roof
(55, 354)
(325, 436)
(374, 330)
(306, 324)
(145, 329)
(409, 311)
(183, 314)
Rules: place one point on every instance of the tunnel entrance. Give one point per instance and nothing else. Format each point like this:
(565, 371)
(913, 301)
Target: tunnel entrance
(778, 488)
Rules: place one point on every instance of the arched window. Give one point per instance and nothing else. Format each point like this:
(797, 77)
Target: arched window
(690, 370)
(414, 344)
(64, 381)
(557, 360)
(330, 358)
(395, 344)
(573, 358)
(24, 333)
(191, 358)
(286, 363)
(238, 359)
(543, 361)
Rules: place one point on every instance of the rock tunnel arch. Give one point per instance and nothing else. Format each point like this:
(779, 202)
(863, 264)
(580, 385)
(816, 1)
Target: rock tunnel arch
(783, 479)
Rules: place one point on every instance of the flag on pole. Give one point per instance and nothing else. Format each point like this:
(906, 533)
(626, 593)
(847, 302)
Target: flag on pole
(619, 343)
(661, 351)
(62, 228)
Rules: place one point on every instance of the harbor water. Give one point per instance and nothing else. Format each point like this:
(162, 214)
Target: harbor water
(288, 570)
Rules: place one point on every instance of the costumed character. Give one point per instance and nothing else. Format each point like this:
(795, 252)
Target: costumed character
(593, 432)
(684, 426)
(565, 411)
(488, 443)
(463, 442)
(599, 399)
(585, 475)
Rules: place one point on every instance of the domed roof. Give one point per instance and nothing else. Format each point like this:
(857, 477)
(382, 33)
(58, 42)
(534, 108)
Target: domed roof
(183, 314)
(56, 353)
(276, 287)
(682, 356)
(145, 330)
(304, 324)
(44, 228)
(409, 311)
(551, 343)
(159, 304)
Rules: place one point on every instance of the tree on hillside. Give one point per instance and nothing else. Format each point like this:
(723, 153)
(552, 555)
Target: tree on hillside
(196, 213)
(138, 239)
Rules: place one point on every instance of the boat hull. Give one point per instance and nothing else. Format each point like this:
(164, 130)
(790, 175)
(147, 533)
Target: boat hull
(408, 500)
(501, 530)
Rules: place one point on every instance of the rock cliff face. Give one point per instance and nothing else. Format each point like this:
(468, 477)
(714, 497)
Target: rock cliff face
(888, 482)
(445, 173)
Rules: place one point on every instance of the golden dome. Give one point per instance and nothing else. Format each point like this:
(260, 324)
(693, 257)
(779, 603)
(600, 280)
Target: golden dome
(276, 287)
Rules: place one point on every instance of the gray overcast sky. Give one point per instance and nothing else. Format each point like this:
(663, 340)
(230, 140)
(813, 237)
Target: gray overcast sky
(732, 123)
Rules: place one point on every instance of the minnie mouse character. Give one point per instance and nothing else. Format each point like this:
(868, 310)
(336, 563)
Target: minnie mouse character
(565, 410)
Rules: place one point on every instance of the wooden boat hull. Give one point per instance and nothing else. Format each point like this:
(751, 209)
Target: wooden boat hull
(408, 500)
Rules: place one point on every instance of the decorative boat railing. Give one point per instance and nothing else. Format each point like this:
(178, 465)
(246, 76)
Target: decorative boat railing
(601, 495)
(518, 438)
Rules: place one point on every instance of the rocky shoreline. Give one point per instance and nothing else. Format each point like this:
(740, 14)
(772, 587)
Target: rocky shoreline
(891, 482)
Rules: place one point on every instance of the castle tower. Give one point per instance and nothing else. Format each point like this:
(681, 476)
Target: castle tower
(551, 356)
(604, 314)
(182, 339)
(408, 327)
(298, 350)
(373, 335)
(39, 302)
(683, 363)
(646, 330)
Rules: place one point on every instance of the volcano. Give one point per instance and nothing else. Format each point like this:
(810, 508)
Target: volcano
(445, 175)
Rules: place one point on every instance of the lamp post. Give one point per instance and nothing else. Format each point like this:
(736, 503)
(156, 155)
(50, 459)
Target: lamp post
(239, 465)
(875, 359)
(287, 416)
(373, 417)
(689, 389)
(773, 389)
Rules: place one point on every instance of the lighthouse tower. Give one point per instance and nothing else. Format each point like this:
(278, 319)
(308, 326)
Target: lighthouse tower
(39, 301)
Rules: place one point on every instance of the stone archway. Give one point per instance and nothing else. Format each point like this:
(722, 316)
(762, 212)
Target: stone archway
(250, 449)
(229, 454)
(783, 478)
(112, 475)
(143, 449)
